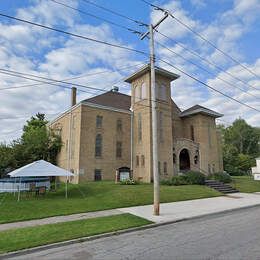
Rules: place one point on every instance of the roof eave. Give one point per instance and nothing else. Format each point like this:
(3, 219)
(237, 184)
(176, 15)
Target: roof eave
(144, 69)
(215, 115)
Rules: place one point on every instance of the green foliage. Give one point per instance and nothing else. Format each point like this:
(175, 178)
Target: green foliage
(37, 142)
(166, 182)
(221, 176)
(6, 159)
(179, 180)
(240, 147)
(129, 182)
(194, 177)
(175, 180)
(190, 177)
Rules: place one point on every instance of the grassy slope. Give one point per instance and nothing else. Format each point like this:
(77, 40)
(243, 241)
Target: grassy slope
(246, 184)
(16, 239)
(92, 197)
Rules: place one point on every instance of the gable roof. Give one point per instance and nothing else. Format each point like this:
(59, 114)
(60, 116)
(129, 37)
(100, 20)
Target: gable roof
(112, 99)
(197, 109)
(146, 68)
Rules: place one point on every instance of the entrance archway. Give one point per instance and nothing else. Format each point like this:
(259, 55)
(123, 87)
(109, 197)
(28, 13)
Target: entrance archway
(184, 160)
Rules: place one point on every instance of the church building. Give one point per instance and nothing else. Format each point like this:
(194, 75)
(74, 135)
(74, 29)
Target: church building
(112, 130)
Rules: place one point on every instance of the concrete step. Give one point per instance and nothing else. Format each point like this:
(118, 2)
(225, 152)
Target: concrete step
(220, 186)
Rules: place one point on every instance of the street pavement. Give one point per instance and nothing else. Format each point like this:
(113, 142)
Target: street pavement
(232, 235)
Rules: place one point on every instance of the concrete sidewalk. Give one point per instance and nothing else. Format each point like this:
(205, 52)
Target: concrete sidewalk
(177, 211)
(59, 219)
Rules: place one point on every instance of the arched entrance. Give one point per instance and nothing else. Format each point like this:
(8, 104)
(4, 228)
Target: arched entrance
(184, 159)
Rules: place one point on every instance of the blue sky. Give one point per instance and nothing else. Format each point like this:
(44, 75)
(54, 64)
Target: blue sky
(233, 26)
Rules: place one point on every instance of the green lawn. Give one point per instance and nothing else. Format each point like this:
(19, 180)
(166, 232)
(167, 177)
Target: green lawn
(94, 196)
(246, 184)
(17, 239)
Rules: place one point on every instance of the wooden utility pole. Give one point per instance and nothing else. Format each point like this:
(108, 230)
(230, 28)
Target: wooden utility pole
(156, 178)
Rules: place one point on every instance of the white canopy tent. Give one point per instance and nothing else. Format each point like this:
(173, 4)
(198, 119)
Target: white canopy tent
(41, 168)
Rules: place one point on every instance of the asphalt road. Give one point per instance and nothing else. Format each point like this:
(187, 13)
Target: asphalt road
(234, 235)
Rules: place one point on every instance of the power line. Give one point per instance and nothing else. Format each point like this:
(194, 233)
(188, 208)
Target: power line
(208, 86)
(96, 17)
(24, 75)
(55, 84)
(209, 72)
(20, 75)
(116, 13)
(73, 34)
(206, 60)
(122, 47)
(77, 77)
(200, 36)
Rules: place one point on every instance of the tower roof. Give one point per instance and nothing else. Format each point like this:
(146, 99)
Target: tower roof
(146, 68)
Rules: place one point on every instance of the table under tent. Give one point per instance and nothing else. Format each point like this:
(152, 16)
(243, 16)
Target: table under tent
(29, 175)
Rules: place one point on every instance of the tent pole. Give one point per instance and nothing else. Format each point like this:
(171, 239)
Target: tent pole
(14, 186)
(19, 190)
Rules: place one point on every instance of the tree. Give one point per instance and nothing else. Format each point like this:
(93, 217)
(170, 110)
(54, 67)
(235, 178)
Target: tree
(240, 147)
(243, 136)
(6, 159)
(37, 142)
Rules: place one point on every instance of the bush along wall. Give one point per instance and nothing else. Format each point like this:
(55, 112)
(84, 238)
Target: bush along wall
(221, 176)
(191, 177)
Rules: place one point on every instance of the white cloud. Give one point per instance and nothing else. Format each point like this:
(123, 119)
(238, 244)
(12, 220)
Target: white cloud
(41, 52)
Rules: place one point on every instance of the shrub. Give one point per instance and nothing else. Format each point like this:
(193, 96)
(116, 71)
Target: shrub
(166, 182)
(129, 182)
(175, 180)
(222, 176)
(193, 177)
(179, 180)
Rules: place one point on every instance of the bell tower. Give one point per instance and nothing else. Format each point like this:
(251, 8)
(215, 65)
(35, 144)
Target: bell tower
(142, 123)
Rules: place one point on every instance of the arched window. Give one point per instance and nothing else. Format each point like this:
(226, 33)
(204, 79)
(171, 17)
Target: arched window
(98, 146)
(143, 91)
(119, 125)
(137, 93)
(163, 92)
(142, 160)
(139, 127)
(165, 167)
(174, 158)
(192, 133)
(196, 159)
(137, 160)
(118, 149)
(99, 121)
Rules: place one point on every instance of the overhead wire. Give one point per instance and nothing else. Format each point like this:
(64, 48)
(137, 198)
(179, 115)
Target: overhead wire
(77, 77)
(202, 68)
(206, 60)
(129, 49)
(116, 13)
(200, 36)
(95, 16)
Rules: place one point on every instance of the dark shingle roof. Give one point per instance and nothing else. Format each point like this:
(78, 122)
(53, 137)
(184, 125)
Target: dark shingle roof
(199, 109)
(111, 99)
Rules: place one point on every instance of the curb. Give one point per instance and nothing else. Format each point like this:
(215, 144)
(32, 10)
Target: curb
(114, 233)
